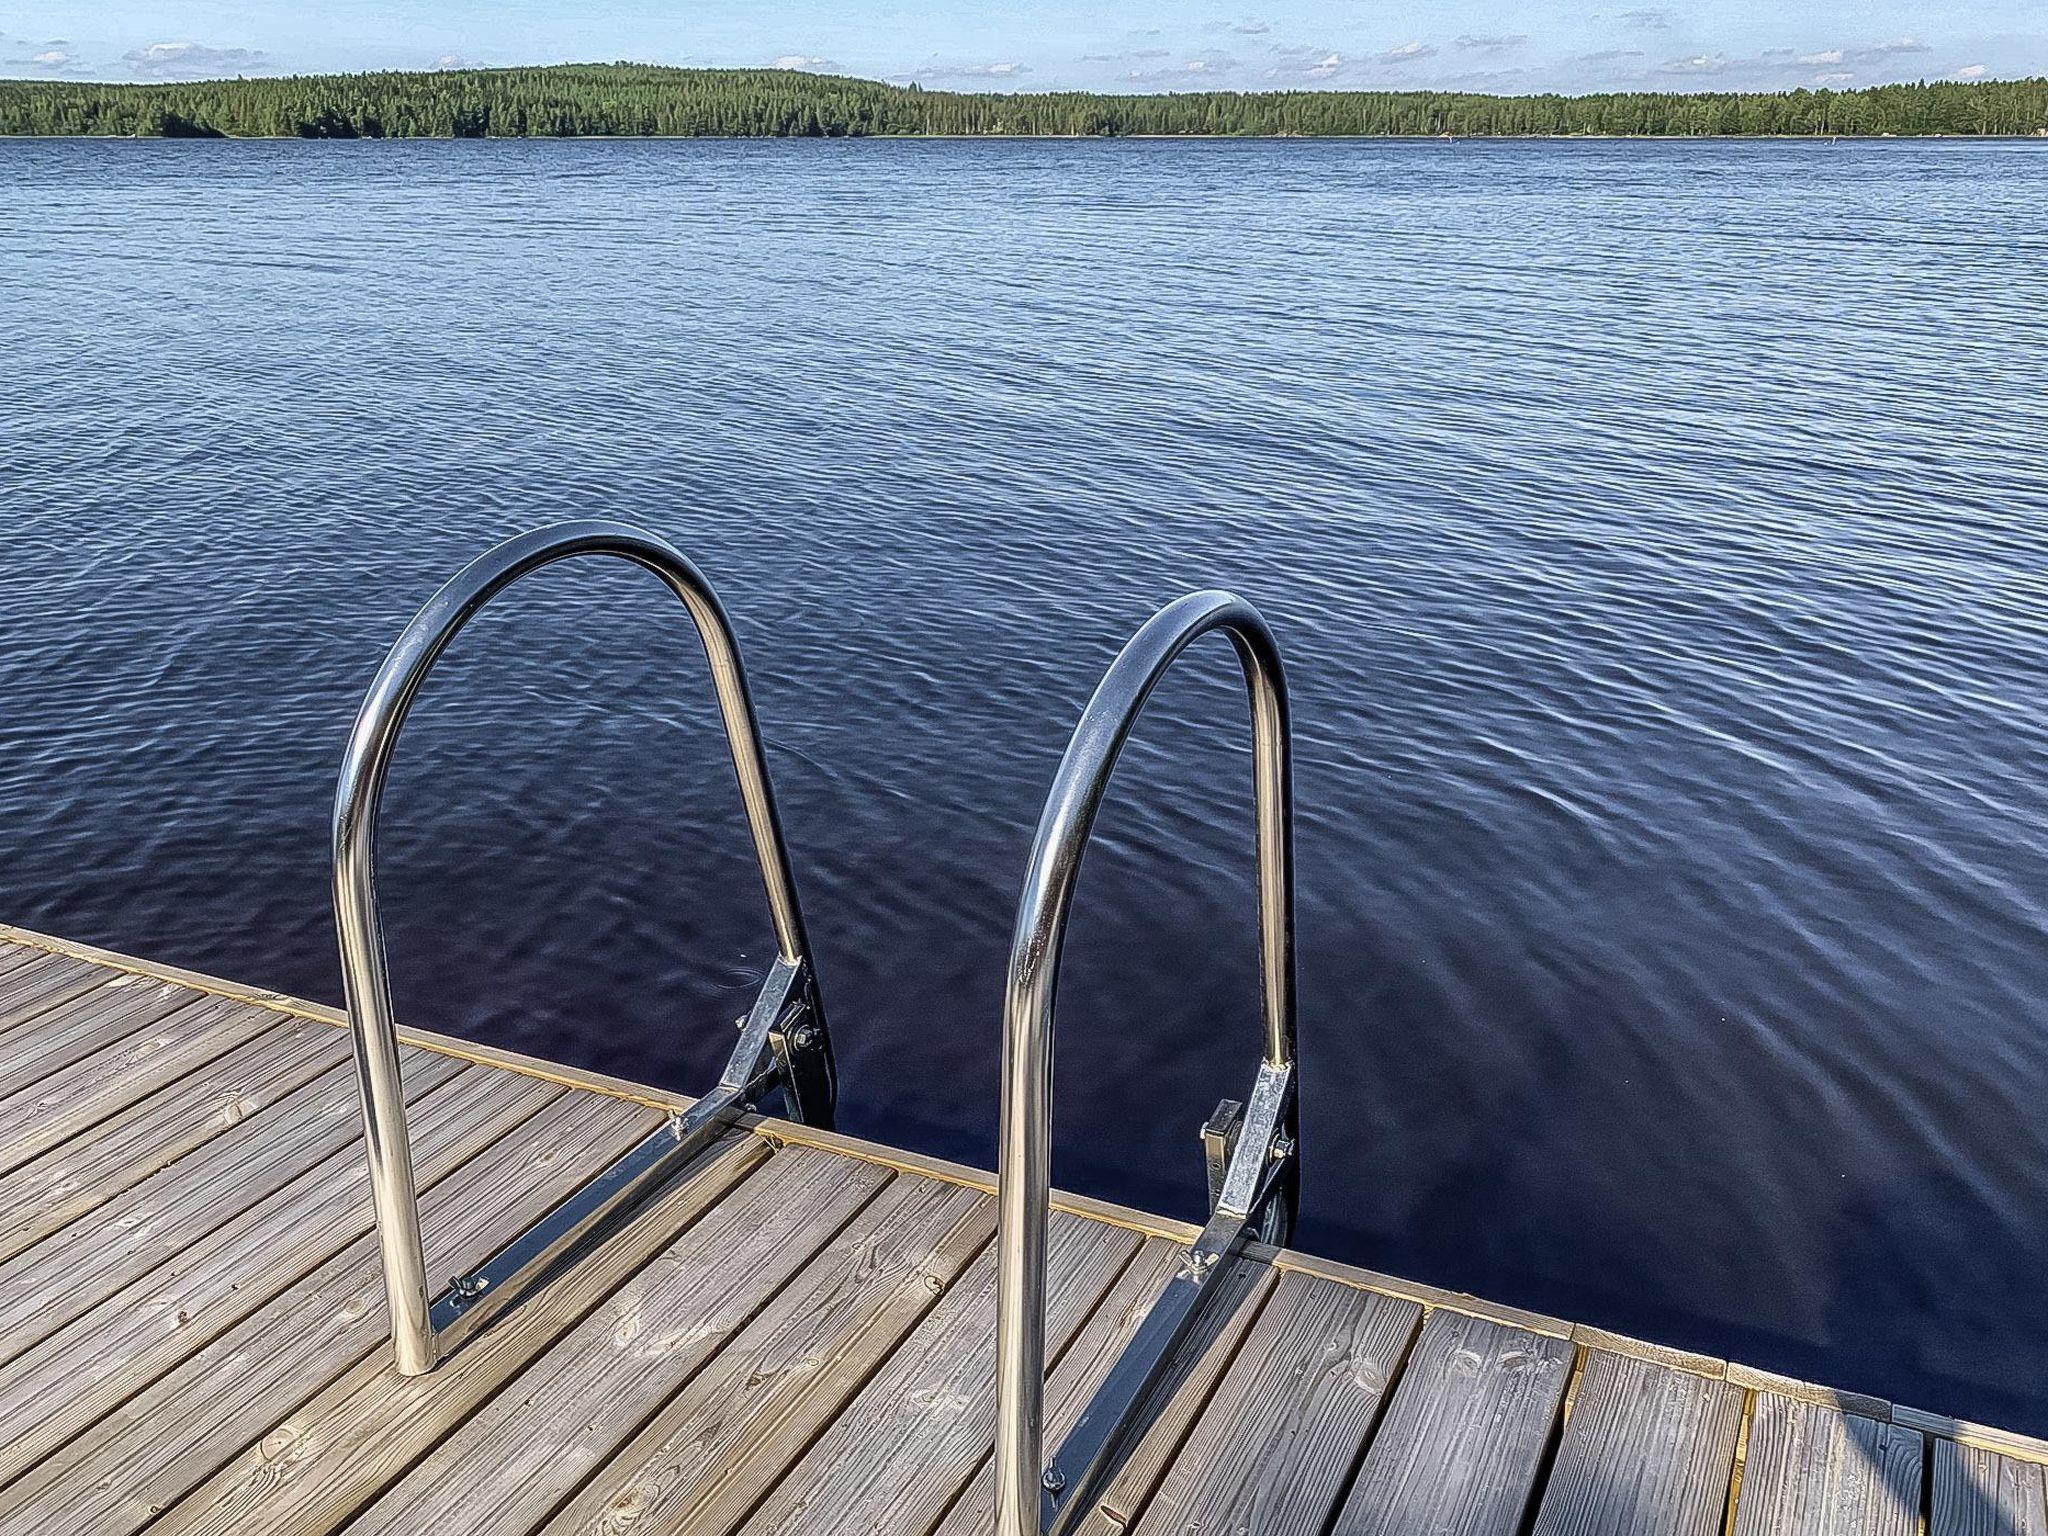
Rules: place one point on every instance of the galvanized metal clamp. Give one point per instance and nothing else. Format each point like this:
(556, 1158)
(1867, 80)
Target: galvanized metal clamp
(783, 1040)
(1251, 1149)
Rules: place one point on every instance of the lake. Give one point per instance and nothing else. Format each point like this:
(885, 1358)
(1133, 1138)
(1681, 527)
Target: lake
(1657, 534)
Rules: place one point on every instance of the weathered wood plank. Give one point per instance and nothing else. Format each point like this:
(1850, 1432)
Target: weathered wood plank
(86, 1171)
(29, 991)
(97, 1360)
(227, 1396)
(141, 1231)
(36, 1118)
(1273, 1449)
(1981, 1493)
(727, 1437)
(1465, 1433)
(1647, 1451)
(1190, 1384)
(514, 1459)
(907, 1445)
(310, 1473)
(62, 1034)
(14, 956)
(1818, 1472)
(1071, 1384)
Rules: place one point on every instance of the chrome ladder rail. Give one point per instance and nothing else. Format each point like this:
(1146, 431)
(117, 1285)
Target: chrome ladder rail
(783, 1042)
(1254, 1170)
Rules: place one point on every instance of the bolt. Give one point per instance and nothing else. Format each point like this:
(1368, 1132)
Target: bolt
(1054, 1481)
(1283, 1148)
(804, 1037)
(469, 1287)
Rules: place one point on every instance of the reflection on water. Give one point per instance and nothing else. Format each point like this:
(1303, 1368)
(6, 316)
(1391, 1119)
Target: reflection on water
(1655, 532)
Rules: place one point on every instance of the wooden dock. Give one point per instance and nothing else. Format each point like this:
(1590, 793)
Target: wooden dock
(796, 1336)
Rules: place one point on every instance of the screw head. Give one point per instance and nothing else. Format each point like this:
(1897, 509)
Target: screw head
(1054, 1480)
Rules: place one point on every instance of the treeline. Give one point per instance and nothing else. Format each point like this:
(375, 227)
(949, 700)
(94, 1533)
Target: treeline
(632, 99)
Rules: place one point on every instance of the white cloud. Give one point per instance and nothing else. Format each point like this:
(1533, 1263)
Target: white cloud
(1188, 72)
(1502, 44)
(1826, 56)
(55, 57)
(191, 61)
(1837, 77)
(1972, 72)
(1407, 53)
(1005, 70)
(806, 62)
(1699, 64)
(1653, 19)
(1885, 50)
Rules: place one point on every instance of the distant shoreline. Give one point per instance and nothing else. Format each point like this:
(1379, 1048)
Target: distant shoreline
(2037, 136)
(614, 101)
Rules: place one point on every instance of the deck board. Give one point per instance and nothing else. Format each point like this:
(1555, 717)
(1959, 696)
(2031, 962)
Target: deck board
(1647, 1451)
(1465, 1434)
(1818, 1472)
(45, 982)
(69, 1100)
(1980, 1493)
(83, 1024)
(907, 1445)
(513, 1461)
(794, 1336)
(723, 1441)
(65, 1381)
(360, 1425)
(1191, 1379)
(149, 1226)
(1277, 1443)
(224, 1398)
(90, 1168)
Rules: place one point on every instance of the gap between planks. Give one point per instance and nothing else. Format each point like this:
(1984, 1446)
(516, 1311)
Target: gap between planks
(781, 1132)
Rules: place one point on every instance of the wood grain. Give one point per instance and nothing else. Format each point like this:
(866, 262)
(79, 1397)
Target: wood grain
(313, 1471)
(229, 1395)
(147, 1228)
(1819, 1472)
(106, 1355)
(28, 991)
(1647, 1451)
(1190, 1384)
(910, 1441)
(1981, 1493)
(1272, 1451)
(710, 1454)
(516, 1458)
(87, 1170)
(86, 1023)
(1465, 1434)
(38, 1117)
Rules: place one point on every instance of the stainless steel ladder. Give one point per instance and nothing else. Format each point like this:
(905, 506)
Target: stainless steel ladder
(1254, 1169)
(783, 1043)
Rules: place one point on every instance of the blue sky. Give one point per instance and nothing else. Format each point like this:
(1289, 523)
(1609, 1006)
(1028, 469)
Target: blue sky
(1053, 44)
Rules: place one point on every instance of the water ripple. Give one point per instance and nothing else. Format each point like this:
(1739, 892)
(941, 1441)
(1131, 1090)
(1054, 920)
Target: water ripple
(1656, 533)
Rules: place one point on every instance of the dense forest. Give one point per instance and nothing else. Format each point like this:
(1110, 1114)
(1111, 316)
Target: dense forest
(644, 99)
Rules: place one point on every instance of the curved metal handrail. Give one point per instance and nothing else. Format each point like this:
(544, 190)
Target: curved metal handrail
(802, 1052)
(1253, 1168)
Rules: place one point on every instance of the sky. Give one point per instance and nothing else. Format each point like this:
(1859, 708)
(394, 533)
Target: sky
(1134, 45)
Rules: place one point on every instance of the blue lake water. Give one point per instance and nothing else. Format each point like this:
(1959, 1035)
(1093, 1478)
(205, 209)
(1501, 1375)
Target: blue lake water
(1658, 535)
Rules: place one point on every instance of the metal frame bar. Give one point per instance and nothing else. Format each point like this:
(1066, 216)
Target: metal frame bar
(783, 1040)
(1255, 1171)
